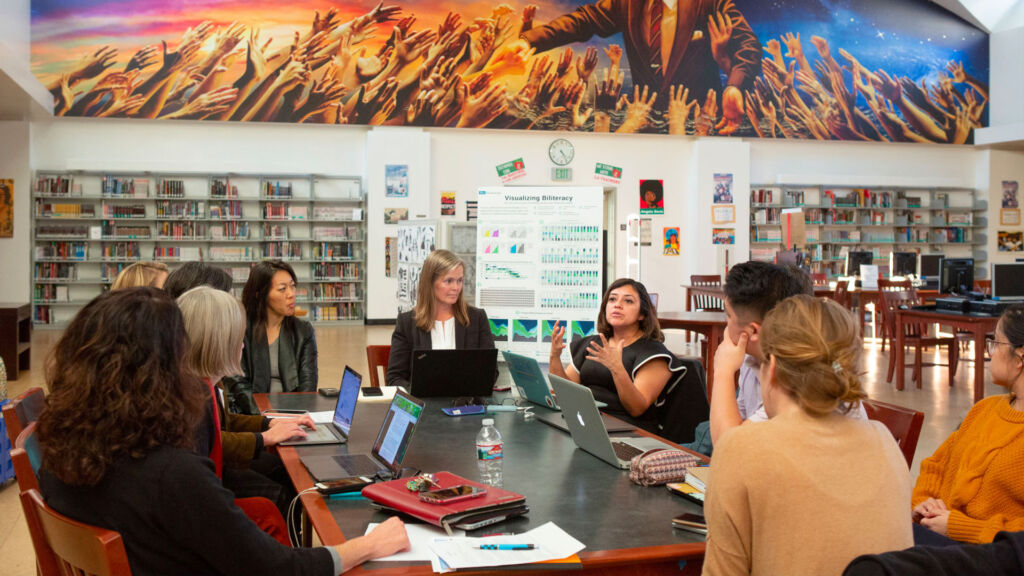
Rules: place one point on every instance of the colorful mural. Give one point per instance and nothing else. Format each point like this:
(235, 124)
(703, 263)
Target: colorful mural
(882, 70)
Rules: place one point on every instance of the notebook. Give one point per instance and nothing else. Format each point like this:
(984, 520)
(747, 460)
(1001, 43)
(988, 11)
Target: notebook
(385, 459)
(336, 431)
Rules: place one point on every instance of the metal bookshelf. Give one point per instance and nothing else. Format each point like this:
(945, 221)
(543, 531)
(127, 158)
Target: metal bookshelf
(232, 220)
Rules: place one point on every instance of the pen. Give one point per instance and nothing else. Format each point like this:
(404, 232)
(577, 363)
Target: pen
(507, 546)
(346, 496)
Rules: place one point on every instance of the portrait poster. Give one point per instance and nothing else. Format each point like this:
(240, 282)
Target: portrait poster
(448, 203)
(723, 214)
(6, 208)
(395, 215)
(396, 181)
(723, 236)
(1011, 241)
(652, 197)
(670, 242)
(1010, 190)
(723, 189)
(1009, 217)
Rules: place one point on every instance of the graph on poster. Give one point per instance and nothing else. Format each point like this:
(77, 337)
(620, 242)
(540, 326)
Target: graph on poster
(540, 264)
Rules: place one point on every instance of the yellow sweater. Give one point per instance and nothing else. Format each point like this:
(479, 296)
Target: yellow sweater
(979, 473)
(799, 495)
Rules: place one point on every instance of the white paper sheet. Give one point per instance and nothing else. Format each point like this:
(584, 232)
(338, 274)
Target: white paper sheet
(551, 543)
(420, 538)
(323, 417)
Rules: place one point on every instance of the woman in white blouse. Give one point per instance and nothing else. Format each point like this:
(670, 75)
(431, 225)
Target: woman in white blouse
(441, 319)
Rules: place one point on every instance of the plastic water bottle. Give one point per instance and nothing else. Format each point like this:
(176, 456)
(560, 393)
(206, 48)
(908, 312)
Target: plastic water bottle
(489, 453)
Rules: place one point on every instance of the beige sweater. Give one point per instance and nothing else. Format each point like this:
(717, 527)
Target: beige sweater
(803, 495)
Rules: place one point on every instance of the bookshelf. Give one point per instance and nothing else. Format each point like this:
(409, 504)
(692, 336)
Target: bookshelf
(839, 219)
(88, 226)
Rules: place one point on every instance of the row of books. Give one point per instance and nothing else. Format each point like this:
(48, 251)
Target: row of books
(334, 291)
(53, 185)
(56, 270)
(232, 253)
(277, 189)
(117, 186)
(180, 230)
(46, 230)
(124, 211)
(229, 231)
(186, 209)
(333, 312)
(337, 233)
(762, 196)
(223, 189)
(860, 197)
(328, 250)
(121, 250)
(282, 250)
(60, 210)
(112, 230)
(172, 189)
(275, 231)
(284, 212)
(340, 213)
(63, 250)
(177, 253)
(228, 210)
(339, 270)
(110, 271)
(51, 293)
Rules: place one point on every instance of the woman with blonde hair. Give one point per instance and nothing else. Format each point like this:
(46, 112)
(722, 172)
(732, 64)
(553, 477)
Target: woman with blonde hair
(142, 273)
(810, 489)
(441, 319)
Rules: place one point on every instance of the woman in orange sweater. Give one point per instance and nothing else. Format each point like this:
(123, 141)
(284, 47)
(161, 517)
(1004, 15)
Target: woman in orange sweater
(971, 488)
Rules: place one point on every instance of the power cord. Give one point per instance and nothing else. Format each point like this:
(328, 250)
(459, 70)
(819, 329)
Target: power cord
(294, 533)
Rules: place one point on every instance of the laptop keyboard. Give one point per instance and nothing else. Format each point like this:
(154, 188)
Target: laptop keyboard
(357, 465)
(625, 451)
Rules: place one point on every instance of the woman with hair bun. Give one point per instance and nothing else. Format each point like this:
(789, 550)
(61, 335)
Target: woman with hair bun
(810, 489)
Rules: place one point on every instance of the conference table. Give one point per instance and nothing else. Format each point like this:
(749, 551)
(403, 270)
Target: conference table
(710, 324)
(626, 528)
(978, 325)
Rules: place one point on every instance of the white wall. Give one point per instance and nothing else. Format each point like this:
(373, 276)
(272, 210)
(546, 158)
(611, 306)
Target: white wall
(716, 156)
(1007, 82)
(15, 31)
(15, 252)
(1000, 165)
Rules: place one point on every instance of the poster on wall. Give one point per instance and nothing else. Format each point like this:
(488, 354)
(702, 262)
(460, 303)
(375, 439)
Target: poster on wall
(511, 170)
(471, 206)
(448, 203)
(539, 261)
(390, 254)
(607, 173)
(396, 181)
(416, 240)
(723, 236)
(723, 189)
(670, 242)
(1009, 217)
(1011, 241)
(899, 70)
(652, 197)
(723, 214)
(395, 215)
(6, 208)
(1010, 190)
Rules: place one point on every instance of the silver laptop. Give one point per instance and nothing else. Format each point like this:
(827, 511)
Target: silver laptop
(588, 431)
(529, 379)
(385, 459)
(336, 431)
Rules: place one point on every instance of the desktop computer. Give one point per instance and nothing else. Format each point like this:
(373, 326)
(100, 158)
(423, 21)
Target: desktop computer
(956, 276)
(903, 264)
(1008, 281)
(928, 270)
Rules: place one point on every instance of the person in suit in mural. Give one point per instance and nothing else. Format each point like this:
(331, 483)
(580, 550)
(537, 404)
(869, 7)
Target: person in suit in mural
(669, 43)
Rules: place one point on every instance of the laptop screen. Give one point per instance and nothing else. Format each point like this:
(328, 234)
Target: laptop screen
(396, 433)
(347, 398)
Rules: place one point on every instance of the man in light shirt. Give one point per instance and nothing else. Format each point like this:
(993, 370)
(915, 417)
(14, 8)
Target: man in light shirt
(752, 289)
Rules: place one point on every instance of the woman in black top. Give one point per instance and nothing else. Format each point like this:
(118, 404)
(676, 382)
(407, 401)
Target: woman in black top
(441, 318)
(280, 349)
(626, 364)
(116, 443)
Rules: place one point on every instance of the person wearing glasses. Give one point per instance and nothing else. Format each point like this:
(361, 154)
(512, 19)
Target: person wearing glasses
(970, 488)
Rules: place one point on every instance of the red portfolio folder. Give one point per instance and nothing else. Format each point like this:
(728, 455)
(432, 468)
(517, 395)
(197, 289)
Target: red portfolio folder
(395, 495)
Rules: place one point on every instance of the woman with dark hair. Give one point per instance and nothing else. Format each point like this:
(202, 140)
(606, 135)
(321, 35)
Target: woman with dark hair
(970, 488)
(625, 364)
(280, 349)
(441, 319)
(192, 274)
(117, 440)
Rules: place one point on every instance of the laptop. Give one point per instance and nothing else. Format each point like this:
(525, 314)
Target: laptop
(455, 373)
(587, 431)
(557, 419)
(385, 459)
(530, 379)
(335, 431)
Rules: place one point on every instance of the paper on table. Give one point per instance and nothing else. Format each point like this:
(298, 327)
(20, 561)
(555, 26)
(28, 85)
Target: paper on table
(323, 417)
(552, 543)
(420, 538)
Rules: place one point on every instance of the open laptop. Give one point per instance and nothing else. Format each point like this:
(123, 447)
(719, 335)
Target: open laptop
(453, 372)
(557, 419)
(530, 379)
(385, 459)
(336, 431)
(589, 433)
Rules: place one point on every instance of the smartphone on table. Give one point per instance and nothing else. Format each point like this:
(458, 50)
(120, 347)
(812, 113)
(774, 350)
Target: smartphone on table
(341, 485)
(691, 522)
(453, 494)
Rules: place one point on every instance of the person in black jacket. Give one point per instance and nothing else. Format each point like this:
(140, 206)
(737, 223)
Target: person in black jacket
(280, 349)
(1003, 557)
(440, 320)
(116, 451)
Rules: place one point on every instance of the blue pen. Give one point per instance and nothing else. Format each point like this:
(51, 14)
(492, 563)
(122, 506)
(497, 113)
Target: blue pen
(507, 546)
(346, 496)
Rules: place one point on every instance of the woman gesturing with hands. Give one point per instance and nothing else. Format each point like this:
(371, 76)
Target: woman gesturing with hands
(625, 364)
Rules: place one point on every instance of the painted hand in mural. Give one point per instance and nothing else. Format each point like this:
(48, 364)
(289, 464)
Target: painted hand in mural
(579, 118)
(732, 111)
(774, 49)
(586, 64)
(614, 53)
(704, 117)
(638, 111)
(720, 27)
(224, 42)
(369, 67)
(752, 111)
(529, 13)
(205, 104)
(564, 63)
(679, 107)
(608, 91)
(509, 60)
(370, 101)
(92, 65)
(325, 94)
(482, 107)
(539, 70)
(143, 58)
(121, 106)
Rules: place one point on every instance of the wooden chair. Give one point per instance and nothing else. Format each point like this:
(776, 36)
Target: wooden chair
(23, 410)
(27, 458)
(904, 423)
(819, 278)
(841, 294)
(683, 404)
(72, 548)
(914, 335)
(702, 302)
(377, 357)
(888, 285)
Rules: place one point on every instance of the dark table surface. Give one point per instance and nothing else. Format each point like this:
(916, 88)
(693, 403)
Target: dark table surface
(591, 500)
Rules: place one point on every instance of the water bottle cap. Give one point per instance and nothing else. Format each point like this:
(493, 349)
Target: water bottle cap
(488, 422)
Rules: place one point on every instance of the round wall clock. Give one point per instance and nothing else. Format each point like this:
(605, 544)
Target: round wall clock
(561, 152)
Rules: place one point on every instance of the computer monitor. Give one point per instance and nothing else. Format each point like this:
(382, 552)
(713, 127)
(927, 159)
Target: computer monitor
(903, 264)
(931, 264)
(787, 258)
(956, 276)
(855, 259)
(1008, 281)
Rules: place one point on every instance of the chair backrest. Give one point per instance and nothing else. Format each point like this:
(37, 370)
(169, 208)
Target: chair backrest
(819, 278)
(77, 549)
(23, 410)
(702, 301)
(842, 293)
(891, 302)
(27, 458)
(904, 423)
(890, 285)
(983, 286)
(377, 357)
(683, 404)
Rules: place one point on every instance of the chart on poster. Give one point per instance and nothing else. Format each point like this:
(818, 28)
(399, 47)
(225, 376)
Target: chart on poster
(539, 260)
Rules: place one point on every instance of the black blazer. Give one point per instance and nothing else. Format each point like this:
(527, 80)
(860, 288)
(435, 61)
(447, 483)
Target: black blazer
(407, 337)
(296, 361)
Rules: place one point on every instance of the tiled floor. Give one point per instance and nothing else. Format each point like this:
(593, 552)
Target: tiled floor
(943, 406)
